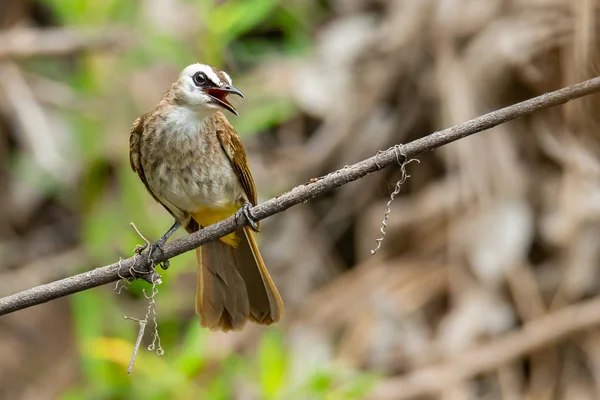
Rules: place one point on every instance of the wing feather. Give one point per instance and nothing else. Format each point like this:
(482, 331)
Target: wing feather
(234, 148)
(135, 146)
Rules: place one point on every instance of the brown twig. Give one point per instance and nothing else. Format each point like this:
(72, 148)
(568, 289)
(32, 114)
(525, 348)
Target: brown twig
(24, 43)
(136, 348)
(533, 336)
(299, 194)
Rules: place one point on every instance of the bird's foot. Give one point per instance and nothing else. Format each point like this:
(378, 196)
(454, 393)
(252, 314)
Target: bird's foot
(158, 245)
(154, 247)
(246, 210)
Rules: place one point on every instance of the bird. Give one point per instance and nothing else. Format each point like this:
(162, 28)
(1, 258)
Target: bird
(192, 161)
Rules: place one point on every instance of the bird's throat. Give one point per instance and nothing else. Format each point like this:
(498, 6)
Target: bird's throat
(183, 121)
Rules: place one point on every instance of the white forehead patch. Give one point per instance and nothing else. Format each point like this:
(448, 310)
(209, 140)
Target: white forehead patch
(190, 70)
(227, 77)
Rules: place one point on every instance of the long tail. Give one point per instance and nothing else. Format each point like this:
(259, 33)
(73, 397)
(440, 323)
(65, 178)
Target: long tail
(234, 285)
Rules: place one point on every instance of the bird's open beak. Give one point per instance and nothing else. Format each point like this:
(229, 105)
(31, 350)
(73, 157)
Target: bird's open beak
(220, 96)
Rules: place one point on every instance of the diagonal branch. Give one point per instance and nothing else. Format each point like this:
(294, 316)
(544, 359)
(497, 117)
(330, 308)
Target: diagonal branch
(297, 195)
(534, 335)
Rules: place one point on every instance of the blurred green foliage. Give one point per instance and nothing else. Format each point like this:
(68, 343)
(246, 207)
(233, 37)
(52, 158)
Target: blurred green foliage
(238, 32)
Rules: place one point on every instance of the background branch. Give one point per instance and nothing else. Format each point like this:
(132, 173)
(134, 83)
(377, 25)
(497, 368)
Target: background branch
(534, 335)
(299, 194)
(24, 43)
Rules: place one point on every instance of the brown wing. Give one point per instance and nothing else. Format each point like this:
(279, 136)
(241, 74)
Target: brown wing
(234, 148)
(135, 138)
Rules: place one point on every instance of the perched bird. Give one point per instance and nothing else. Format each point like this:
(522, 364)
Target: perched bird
(193, 162)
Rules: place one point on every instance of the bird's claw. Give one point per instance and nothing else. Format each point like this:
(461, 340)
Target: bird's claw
(158, 245)
(247, 212)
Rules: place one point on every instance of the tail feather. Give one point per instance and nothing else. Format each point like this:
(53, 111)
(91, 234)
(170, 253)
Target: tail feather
(222, 299)
(266, 305)
(234, 285)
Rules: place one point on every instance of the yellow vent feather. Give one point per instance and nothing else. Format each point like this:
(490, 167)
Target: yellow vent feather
(206, 216)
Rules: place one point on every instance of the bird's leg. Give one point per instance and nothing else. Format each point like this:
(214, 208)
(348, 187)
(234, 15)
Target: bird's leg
(158, 245)
(246, 211)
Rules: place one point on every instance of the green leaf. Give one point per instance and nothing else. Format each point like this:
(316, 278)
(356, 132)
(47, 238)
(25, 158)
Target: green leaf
(73, 393)
(191, 359)
(354, 387)
(166, 48)
(93, 12)
(87, 308)
(264, 114)
(272, 362)
(234, 18)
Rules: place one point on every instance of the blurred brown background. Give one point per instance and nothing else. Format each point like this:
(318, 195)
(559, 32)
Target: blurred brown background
(489, 236)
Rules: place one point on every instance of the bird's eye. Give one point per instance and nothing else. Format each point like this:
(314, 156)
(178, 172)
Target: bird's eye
(199, 78)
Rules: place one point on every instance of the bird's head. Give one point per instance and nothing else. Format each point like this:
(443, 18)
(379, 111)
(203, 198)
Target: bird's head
(205, 88)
